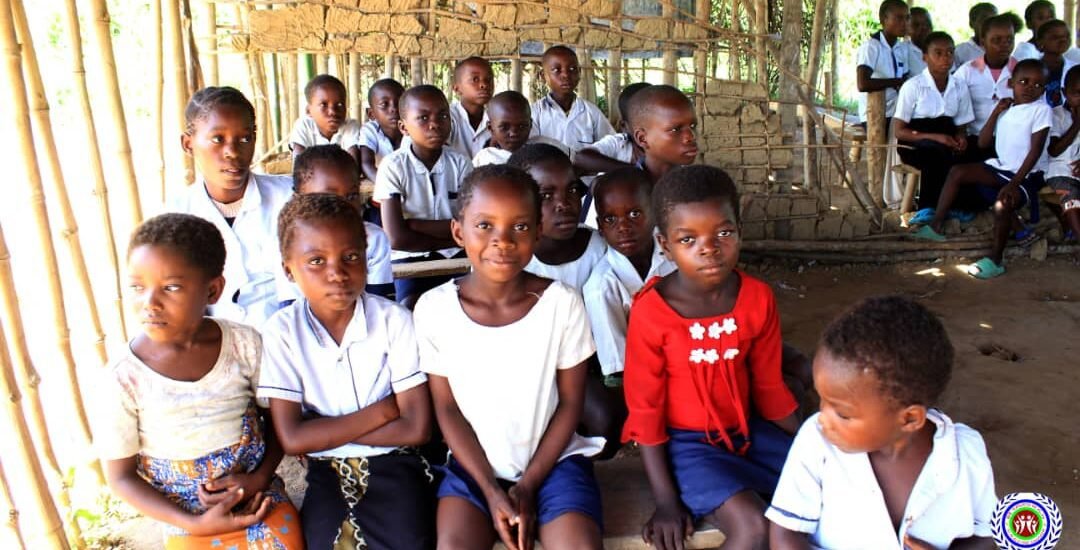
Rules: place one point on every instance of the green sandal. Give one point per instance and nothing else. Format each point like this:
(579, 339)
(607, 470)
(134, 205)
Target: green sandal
(927, 233)
(985, 269)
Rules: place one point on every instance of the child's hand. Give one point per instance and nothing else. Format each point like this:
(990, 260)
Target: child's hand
(960, 144)
(1076, 168)
(524, 499)
(214, 492)
(505, 516)
(668, 528)
(1009, 195)
(1003, 104)
(220, 519)
(912, 543)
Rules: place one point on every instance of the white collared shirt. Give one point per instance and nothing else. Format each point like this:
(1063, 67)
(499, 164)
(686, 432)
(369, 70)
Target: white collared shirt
(377, 357)
(920, 98)
(966, 51)
(490, 155)
(835, 498)
(1012, 136)
(306, 134)
(253, 275)
(425, 194)
(573, 273)
(1061, 165)
(583, 125)
(614, 146)
(1026, 50)
(916, 64)
(985, 92)
(463, 138)
(608, 294)
(886, 62)
(372, 137)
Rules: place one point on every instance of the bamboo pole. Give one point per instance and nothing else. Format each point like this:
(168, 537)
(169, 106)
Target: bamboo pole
(11, 526)
(516, 76)
(876, 135)
(258, 87)
(614, 86)
(1070, 13)
(195, 80)
(278, 127)
(292, 90)
(357, 105)
(157, 90)
(179, 80)
(97, 170)
(813, 64)
(761, 29)
(322, 64)
(702, 12)
(100, 29)
(588, 75)
(416, 71)
(734, 54)
(671, 54)
(390, 67)
(208, 41)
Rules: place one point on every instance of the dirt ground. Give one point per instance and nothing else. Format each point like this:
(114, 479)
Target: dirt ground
(1016, 378)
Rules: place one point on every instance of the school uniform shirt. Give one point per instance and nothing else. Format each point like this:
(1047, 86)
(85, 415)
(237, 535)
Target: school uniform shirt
(919, 97)
(916, 64)
(824, 492)
(886, 62)
(495, 155)
(372, 137)
(703, 374)
(463, 138)
(376, 359)
(615, 146)
(425, 194)
(985, 92)
(1012, 136)
(1061, 165)
(1072, 55)
(253, 274)
(573, 273)
(966, 51)
(608, 294)
(583, 125)
(1026, 50)
(504, 378)
(379, 267)
(306, 134)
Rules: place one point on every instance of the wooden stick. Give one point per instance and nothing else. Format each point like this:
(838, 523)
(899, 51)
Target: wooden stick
(876, 134)
(11, 526)
(262, 124)
(761, 28)
(810, 158)
(416, 71)
(1070, 13)
(588, 71)
(208, 49)
(671, 54)
(734, 56)
(355, 101)
(157, 90)
(516, 76)
(390, 67)
(614, 86)
(322, 64)
(273, 101)
(195, 80)
(179, 79)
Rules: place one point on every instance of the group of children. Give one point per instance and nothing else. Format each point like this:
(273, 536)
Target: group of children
(988, 123)
(562, 343)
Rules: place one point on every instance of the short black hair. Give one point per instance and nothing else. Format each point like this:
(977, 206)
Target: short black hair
(978, 10)
(510, 100)
(938, 36)
(316, 207)
(900, 341)
(504, 172)
(304, 164)
(1072, 76)
(474, 59)
(689, 184)
(387, 83)
(558, 49)
(1049, 26)
(627, 94)
(1029, 65)
(532, 154)
(1029, 11)
(417, 92)
(194, 238)
(889, 5)
(324, 81)
(643, 102)
(204, 101)
(623, 176)
(1007, 19)
(921, 11)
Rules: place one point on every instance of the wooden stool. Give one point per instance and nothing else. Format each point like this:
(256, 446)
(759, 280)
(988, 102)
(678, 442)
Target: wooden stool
(911, 177)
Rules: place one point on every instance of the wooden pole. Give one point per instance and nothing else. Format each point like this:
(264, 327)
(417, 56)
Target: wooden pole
(614, 86)
(735, 52)
(761, 29)
(702, 12)
(208, 43)
(195, 80)
(416, 71)
(97, 170)
(322, 64)
(356, 103)
(876, 135)
(157, 89)
(390, 67)
(671, 54)
(588, 75)
(179, 80)
(11, 526)
(258, 90)
(1070, 14)
(813, 65)
(292, 90)
(273, 100)
(516, 76)
(101, 31)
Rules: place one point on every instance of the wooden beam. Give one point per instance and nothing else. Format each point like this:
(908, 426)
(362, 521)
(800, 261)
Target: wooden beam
(390, 67)
(588, 72)
(208, 43)
(355, 102)
(179, 78)
(671, 54)
(876, 135)
(614, 86)
(761, 29)
(416, 71)
(1070, 15)
(813, 65)
(516, 77)
(322, 64)
(157, 90)
(735, 46)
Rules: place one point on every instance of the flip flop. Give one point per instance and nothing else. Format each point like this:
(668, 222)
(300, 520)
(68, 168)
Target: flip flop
(1025, 237)
(927, 233)
(963, 215)
(985, 269)
(922, 217)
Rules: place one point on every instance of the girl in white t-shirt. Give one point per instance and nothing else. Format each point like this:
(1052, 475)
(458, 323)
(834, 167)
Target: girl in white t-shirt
(1064, 151)
(505, 352)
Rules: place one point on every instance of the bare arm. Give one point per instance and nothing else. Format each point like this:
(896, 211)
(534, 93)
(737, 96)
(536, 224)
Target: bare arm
(785, 539)
(904, 132)
(300, 436)
(296, 149)
(402, 234)
(867, 84)
(1059, 144)
(412, 427)
(354, 151)
(590, 161)
(367, 163)
(1038, 145)
(670, 521)
(986, 135)
(571, 386)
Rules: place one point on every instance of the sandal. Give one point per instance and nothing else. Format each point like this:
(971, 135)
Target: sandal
(962, 215)
(1025, 237)
(985, 269)
(922, 217)
(927, 233)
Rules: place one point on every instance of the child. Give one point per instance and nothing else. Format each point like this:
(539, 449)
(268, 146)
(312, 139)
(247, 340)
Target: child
(220, 137)
(987, 77)
(380, 135)
(1036, 13)
(703, 384)
(665, 128)
(973, 49)
(509, 122)
(328, 169)
(177, 426)
(882, 60)
(932, 112)
(474, 82)
(919, 27)
(616, 150)
(1053, 39)
(562, 115)
(325, 121)
(517, 467)
(1064, 150)
(878, 467)
(417, 188)
(567, 251)
(342, 376)
(1018, 127)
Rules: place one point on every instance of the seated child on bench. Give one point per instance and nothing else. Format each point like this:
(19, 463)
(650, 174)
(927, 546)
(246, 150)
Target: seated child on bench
(326, 121)
(474, 84)
(1064, 151)
(380, 135)
(987, 77)
(509, 119)
(617, 150)
(664, 126)
(561, 115)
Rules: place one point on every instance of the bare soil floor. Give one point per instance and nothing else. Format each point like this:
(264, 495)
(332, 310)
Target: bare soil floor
(1017, 372)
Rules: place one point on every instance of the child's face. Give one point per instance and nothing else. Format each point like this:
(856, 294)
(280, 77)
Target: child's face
(855, 416)
(169, 295)
(668, 132)
(982, 16)
(1056, 40)
(222, 144)
(327, 108)
(426, 120)
(474, 83)
(999, 42)
(498, 230)
(331, 178)
(509, 127)
(939, 56)
(560, 199)
(919, 27)
(624, 219)
(1072, 94)
(895, 22)
(561, 72)
(383, 109)
(702, 238)
(327, 260)
(1040, 16)
(1028, 85)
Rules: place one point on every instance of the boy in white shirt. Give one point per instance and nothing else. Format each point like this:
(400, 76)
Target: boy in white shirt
(509, 120)
(878, 467)
(380, 135)
(920, 25)
(1035, 14)
(882, 60)
(616, 150)
(474, 84)
(973, 48)
(325, 122)
(562, 115)
(1064, 150)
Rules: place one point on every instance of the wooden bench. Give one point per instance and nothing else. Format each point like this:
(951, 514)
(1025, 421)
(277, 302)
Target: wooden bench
(432, 268)
(911, 177)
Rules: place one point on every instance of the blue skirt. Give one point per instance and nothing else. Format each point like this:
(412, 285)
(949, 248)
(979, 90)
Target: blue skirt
(708, 476)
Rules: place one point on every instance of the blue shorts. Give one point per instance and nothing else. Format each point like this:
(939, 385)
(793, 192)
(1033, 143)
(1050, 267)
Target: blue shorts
(570, 487)
(708, 476)
(1029, 189)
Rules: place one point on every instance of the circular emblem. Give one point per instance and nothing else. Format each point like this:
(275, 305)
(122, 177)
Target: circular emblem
(1026, 521)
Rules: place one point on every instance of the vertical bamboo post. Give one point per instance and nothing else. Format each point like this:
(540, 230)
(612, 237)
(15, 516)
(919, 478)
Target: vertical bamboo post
(157, 89)
(702, 11)
(876, 138)
(258, 90)
(761, 29)
(671, 53)
(735, 45)
(614, 86)
(516, 76)
(813, 65)
(273, 100)
(208, 43)
(292, 89)
(416, 71)
(322, 64)
(390, 66)
(179, 80)
(1070, 14)
(588, 75)
(11, 526)
(195, 78)
(356, 104)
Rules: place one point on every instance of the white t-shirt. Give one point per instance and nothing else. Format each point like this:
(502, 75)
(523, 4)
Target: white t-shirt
(886, 62)
(920, 98)
(1061, 165)
(1012, 136)
(425, 194)
(504, 378)
(463, 138)
(583, 125)
(966, 51)
(1026, 50)
(490, 155)
(576, 272)
(615, 146)
(306, 134)
(985, 92)
(376, 358)
(379, 270)
(372, 137)
(138, 411)
(608, 294)
(835, 498)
